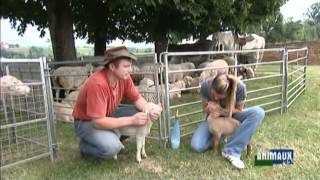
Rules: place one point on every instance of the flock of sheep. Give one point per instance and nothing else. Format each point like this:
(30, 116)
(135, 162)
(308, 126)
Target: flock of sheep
(70, 78)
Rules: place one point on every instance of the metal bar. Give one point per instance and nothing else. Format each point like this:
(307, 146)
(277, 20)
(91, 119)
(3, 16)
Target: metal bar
(262, 89)
(298, 78)
(283, 72)
(268, 103)
(158, 90)
(229, 66)
(190, 123)
(296, 97)
(187, 114)
(186, 134)
(290, 90)
(167, 96)
(295, 92)
(273, 109)
(262, 97)
(46, 107)
(294, 50)
(30, 140)
(186, 104)
(296, 60)
(4, 167)
(221, 52)
(263, 77)
(22, 123)
(305, 67)
(5, 60)
(299, 69)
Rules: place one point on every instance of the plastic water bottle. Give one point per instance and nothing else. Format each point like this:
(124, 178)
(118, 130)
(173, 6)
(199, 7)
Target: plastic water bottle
(175, 133)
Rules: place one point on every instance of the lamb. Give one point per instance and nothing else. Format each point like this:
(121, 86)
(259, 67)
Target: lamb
(10, 85)
(173, 77)
(68, 77)
(63, 111)
(219, 126)
(140, 132)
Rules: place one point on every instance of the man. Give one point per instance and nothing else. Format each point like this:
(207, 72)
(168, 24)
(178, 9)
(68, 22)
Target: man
(97, 109)
(217, 90)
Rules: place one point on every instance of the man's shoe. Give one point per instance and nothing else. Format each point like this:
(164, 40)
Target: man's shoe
(236, 162)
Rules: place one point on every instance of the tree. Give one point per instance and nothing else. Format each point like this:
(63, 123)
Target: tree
(54, 14)
(314, 13)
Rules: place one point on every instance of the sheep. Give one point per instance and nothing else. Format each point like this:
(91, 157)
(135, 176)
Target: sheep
(147, 90)
(136, 75)
(192, 82)
(220, 66)
(71, 98)
(63, 111)
(10, 85)
(173, 77)
(68, 77)
(140, 132)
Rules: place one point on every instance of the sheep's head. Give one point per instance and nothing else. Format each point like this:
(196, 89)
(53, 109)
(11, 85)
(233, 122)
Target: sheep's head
(146, 81)
(12, 85)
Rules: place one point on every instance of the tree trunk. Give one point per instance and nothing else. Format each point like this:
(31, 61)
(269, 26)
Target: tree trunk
(161, 44)
(61, 30)
(99, 42)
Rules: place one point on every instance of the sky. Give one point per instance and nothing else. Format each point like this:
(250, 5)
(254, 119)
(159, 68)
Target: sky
(293, 8)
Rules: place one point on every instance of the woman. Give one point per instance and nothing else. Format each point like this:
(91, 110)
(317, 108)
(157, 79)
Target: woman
(219, 90)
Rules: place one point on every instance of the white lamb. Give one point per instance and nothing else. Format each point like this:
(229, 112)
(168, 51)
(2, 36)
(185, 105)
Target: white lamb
(140, 132)
(63, 110)
(10, 85)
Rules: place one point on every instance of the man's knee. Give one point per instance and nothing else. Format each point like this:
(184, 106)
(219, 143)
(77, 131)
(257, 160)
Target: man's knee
(110, 149)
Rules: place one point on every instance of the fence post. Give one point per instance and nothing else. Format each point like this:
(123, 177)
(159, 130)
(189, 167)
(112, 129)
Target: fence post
(305, 69)
(285, 81)
(167, 98)
(158, 82)
(49, 98)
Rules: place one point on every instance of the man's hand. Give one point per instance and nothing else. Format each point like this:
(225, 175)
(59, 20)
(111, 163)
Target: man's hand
(139, 119)
(153, 110)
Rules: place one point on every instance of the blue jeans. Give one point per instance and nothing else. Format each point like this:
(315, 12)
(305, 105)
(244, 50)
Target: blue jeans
(250, 119)
(98, 143)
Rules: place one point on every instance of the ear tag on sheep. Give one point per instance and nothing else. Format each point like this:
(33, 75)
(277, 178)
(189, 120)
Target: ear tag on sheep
(175, 133)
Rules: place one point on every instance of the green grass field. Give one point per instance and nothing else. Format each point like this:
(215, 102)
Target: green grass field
(297, 129)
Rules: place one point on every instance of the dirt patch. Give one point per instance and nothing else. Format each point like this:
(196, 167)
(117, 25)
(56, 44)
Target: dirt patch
(313, 47)
(151, 165)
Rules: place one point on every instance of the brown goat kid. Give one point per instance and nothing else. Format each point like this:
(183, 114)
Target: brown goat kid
(226, 126)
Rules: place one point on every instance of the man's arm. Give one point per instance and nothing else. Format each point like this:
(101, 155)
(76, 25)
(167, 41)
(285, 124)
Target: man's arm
(153, 109)
(111, 123)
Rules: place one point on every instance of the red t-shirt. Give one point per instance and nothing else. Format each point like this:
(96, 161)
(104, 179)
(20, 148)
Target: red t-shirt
(97, 98)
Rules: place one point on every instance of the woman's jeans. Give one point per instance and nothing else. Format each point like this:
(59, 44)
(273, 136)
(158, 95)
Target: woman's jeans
(250, 119)
(98, 143)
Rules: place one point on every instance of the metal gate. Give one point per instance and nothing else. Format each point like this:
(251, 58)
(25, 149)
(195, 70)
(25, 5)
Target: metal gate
(27, 130)
(277, 84)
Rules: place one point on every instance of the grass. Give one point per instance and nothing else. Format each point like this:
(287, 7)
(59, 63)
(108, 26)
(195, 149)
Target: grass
(297, 129)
